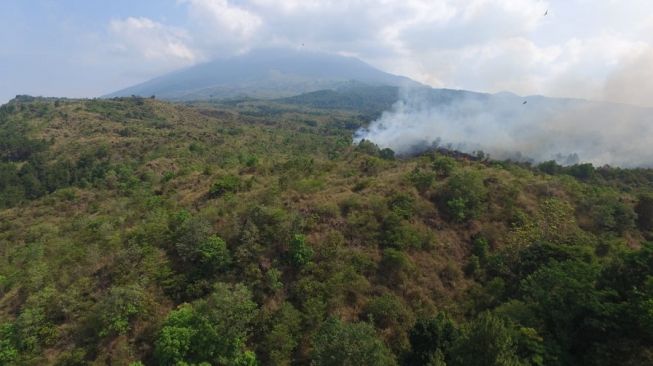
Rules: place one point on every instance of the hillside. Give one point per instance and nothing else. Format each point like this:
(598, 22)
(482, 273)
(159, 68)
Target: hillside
(140, 232)
(267, 73)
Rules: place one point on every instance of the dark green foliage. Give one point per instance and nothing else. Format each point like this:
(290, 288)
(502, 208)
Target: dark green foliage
(486, 341)
(644, 210)
(213, 330)
(283, 335)
(612, 215)
(8, 351)
(463, 197)
(355, 344)
(443, 166)
(368, 147)
(387, 154)
(15, 145)
(396, 266)
(119, 309)
(480, 247)
(226, 184)
(550, 167)
(402, 204)
(399, 234)
(581, 171)
(432, 341)
(564, 296)
(300, 253)
(422, 180)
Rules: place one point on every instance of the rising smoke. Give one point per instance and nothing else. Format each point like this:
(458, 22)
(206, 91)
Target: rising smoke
(565, 130)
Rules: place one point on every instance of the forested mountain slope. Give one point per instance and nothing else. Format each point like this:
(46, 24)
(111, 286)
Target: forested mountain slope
(134, 231)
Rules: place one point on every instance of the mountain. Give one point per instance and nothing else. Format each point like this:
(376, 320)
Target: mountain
(268, 73)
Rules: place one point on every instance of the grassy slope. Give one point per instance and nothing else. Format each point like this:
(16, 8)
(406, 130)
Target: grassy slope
(63, 254)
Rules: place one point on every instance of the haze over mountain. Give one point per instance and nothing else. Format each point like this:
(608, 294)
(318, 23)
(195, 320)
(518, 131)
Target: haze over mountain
(267, 73)
(409, 117)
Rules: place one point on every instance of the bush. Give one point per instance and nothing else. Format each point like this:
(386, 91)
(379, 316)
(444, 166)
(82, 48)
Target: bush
(343, 344)
(421, 180)
(612, 215)
(8, 351)
(283, 335)
(226, 184)
(432, 339)
(119, 309)
(402, 204)
(300, 253)
(368, 147)
(550, 167)
(387, 154)
(644, 210)
(387, 311)
(443, 166)
(487, 340)
(210, 331)
(463, 197)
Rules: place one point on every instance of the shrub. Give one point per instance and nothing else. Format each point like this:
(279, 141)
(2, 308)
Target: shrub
(421, 180)
(402, 204)
(432, 339)
(226, 184)
(343, 344)
(119, 309)
(211, 331)
(387, 311)
(387, 154)
(443, 166)
(300, 253)
(644, 210)
(487, 340)
(8, 351)
(368, 147)
(463, 196)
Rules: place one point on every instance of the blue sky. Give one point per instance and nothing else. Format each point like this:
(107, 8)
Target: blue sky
(598, 49)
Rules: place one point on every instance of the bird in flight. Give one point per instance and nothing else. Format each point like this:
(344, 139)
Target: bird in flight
(525, 102)
(546, 12)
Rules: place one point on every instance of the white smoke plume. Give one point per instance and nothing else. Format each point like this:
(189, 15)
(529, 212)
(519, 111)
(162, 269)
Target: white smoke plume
(566, 130)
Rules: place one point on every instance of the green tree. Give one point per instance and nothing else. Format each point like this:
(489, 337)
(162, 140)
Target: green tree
(644, 210)
(225, 184)
(300, 252)
(119, 309)
(283, 335)
(463, 196)
(8, 350)
(432, 341)
(349, 344)
(212, 330)
(486, 341)
(443, 166)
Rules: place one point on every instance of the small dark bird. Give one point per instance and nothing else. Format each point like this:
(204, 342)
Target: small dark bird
(546, 12)
(525, 102)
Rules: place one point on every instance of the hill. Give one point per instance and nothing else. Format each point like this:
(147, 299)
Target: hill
(140, 232)
(267, 73)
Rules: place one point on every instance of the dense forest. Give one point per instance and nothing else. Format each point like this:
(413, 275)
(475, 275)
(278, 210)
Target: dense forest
(138, 232)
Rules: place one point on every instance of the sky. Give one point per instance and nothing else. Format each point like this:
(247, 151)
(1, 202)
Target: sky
(593, 49)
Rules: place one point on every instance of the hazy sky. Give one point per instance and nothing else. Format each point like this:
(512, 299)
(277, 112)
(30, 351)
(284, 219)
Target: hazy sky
(598, 49)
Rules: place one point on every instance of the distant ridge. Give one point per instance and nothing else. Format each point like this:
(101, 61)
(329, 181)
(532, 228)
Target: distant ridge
(267, 73)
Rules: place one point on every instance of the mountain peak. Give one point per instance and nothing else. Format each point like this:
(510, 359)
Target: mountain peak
(264, 73)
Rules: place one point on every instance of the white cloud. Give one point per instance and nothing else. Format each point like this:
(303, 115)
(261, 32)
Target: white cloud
(222, 27)
(485, 45)
(151, 40)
